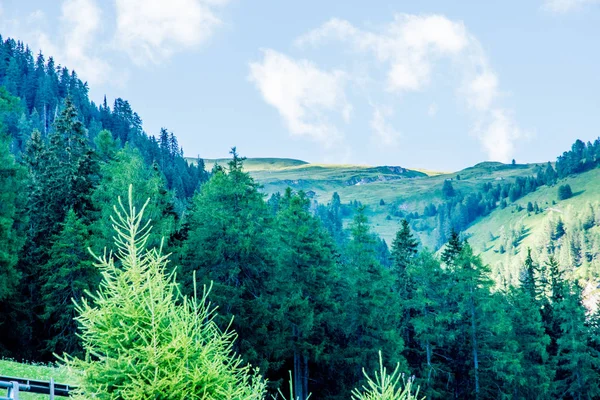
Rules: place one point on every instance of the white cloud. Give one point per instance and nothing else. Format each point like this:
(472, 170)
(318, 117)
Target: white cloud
(152, 30)
(82, 22)
(303, 95)
(498, 134)
(409, 49)
(73, 44)
(410, 44)
(481, 90)
(384, 133)
(563, 6)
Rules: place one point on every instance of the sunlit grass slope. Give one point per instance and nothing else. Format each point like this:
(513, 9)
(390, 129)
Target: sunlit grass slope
(586, 189)
(399, 188)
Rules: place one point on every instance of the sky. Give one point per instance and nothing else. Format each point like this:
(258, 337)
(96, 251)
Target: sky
(437, 85)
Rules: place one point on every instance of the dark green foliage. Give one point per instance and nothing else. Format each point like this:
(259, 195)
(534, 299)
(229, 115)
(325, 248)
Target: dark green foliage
(12, 220)
(582, 157)
(448, 189)
(404, 251)
(565, 192)
(308, 282)
(371, 306)
(68, 274)
(231, 242)
(13, 224)
(453, 248)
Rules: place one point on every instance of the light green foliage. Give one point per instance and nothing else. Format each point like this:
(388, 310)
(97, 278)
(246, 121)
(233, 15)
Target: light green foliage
(106, 146)
(386, 386)
(143, 340)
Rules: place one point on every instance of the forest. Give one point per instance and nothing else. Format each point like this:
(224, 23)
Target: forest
(302, 291)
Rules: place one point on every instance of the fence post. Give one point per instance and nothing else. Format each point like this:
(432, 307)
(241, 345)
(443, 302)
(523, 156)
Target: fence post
(13, 392)
(51, 388)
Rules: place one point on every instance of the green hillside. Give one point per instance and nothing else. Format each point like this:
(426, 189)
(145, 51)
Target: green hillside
(530, 230)
(402, 190)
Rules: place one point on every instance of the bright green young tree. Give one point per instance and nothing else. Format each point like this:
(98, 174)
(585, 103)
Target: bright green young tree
(143, 340)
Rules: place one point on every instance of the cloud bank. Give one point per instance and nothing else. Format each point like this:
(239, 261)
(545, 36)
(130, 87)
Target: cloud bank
(409, 49)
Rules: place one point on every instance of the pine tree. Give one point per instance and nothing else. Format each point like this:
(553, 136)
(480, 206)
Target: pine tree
(372, 307)
(13, 223)
(577, 353)
(404, 250)
(230, 242)
(448, 190)
(12, 220)
(67, 275)
(453, 248)
(308, 280)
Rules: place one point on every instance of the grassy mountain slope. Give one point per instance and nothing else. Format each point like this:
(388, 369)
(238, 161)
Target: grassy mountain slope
(487, 234)
(400, 188)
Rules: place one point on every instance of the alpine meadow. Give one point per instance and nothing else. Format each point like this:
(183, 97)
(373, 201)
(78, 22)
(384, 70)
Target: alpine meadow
(323, 265)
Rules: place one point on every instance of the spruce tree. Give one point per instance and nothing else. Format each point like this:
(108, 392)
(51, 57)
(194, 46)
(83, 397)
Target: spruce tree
(231, 243)
(404, 250)
(308, 279)
(452, 249)
(372, 307)
(577, 352)
(67, 275)
(13, 224)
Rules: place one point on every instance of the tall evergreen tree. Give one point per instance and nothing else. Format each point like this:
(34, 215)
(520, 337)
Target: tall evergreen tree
(67, 276)
(13, 221)
(404, 250)
(453, 248)
(308, 281)
(372, 307)
(230, 242)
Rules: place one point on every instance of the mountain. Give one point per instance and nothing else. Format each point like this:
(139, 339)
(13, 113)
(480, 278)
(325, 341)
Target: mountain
(502, 236)
(390, 193)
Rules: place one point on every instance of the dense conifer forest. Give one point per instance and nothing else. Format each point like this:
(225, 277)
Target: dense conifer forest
(304, 292)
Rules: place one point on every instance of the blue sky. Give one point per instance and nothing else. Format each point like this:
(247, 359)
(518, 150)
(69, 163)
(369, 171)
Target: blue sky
(429, 84)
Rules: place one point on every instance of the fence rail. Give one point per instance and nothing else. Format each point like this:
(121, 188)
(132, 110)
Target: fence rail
(16, 385)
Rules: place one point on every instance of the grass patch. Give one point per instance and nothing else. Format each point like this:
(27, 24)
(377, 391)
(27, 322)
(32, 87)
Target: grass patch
(34, 371)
